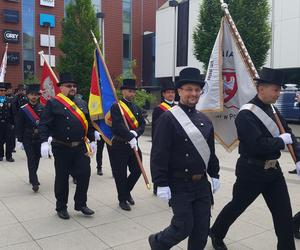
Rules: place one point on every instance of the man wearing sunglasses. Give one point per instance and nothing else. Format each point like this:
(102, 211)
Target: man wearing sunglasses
(67, 120)
(6, 123)
(182, 157)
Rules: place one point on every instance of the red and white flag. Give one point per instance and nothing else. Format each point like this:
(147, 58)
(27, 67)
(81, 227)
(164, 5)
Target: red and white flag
(229, 85)
(48, 83)
(3, 65)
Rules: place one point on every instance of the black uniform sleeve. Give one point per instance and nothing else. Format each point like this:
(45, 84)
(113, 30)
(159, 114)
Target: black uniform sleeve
(161, 151)
(20, 125)
(296, 144)
(250, 133)
(46, 122)
(91, 129)
(155, 115)
(213, 164)
(118, 126)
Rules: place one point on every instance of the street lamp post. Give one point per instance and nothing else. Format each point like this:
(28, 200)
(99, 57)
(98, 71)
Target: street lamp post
(47, 24)
(174, 3)
(101, 16)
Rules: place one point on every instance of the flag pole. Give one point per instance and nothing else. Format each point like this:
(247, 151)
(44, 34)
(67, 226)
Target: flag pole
(41, 53)
(122, 113)
(252, 68)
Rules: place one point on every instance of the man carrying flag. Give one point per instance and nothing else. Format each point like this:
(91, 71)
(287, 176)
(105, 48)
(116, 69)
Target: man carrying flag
(258, 171)
(124, 141)
(27, 121)
(66, 119)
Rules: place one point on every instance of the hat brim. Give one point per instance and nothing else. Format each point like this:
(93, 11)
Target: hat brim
(260, 80)
(125, 87)
(63, 82)
(182, 82)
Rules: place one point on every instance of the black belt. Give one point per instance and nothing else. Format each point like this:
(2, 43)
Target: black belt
(191, 177)
(68, 144)
(267, 164)
(118, 140)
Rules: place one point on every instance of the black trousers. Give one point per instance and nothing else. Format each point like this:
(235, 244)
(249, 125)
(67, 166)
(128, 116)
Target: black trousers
(99, 154)
(33, 154)
(121, 156)
(191, 204)
(75, 162)
(271, 184)
(5, 138)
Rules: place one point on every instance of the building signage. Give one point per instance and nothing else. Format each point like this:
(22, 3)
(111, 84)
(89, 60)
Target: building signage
(12, 1)
(49, 3)
(13, 58)
(11, 36)
(28, 68)
(11, 16)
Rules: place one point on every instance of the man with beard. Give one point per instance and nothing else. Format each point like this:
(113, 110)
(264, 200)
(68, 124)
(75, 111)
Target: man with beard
(182, 157)
(67, 120)
(124, 142)
(27, 122)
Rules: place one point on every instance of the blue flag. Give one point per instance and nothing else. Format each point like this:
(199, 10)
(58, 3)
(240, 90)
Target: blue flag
(102, 97)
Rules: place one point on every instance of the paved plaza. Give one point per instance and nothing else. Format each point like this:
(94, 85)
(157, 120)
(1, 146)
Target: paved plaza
(28, 220)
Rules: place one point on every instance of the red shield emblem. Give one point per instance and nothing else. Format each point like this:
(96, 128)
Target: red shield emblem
(230, 84)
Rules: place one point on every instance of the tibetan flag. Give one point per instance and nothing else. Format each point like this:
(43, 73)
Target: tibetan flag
(229, 85)
(48, 84)
(3, 65)
(102, 97)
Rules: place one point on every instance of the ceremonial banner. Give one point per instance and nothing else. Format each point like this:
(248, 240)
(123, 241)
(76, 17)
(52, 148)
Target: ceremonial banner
(101, 98)
(229, 85)
(48, 84)
(3, 65)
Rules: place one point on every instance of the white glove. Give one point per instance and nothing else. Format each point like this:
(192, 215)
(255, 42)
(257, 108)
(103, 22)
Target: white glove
(134, 133)
(93, 146)
(164, 193)
(133, 144)
(45, 149)
(298, 167)
(20, 145)
(215, 184)
(287, 138)
(97, 136)
(50, 139)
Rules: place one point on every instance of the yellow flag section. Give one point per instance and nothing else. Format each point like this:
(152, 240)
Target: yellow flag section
(229, 85)
(95, 100)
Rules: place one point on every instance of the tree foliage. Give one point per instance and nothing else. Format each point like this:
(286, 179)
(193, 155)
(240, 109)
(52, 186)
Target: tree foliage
(251, 19)
(77, 44)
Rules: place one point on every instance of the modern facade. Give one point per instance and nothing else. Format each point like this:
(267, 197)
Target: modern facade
(129, 27)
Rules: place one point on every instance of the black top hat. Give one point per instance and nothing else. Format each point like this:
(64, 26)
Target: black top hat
(8, 85)
(66, 77)
(3, 85)
(128, 84)
(33, 89)
(273, 76)
(190, 75)
(167, 86)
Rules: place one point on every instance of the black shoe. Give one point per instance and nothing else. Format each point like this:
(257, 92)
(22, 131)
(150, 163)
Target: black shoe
(154, 244)
(86, 210)
(99, 171)
(1, 158)
(293, 171)
(296, 225)
(130, 200)
(35, 188)
(218, 244)
(124, 205)
(63, 214)
(14, 151)
(74, 181)
(10, 160)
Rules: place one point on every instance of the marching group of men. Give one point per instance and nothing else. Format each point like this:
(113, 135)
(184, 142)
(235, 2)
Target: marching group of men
(182, 161)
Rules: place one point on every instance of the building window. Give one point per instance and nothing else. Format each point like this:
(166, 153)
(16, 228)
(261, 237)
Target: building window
(127, 16)
(28, 38)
